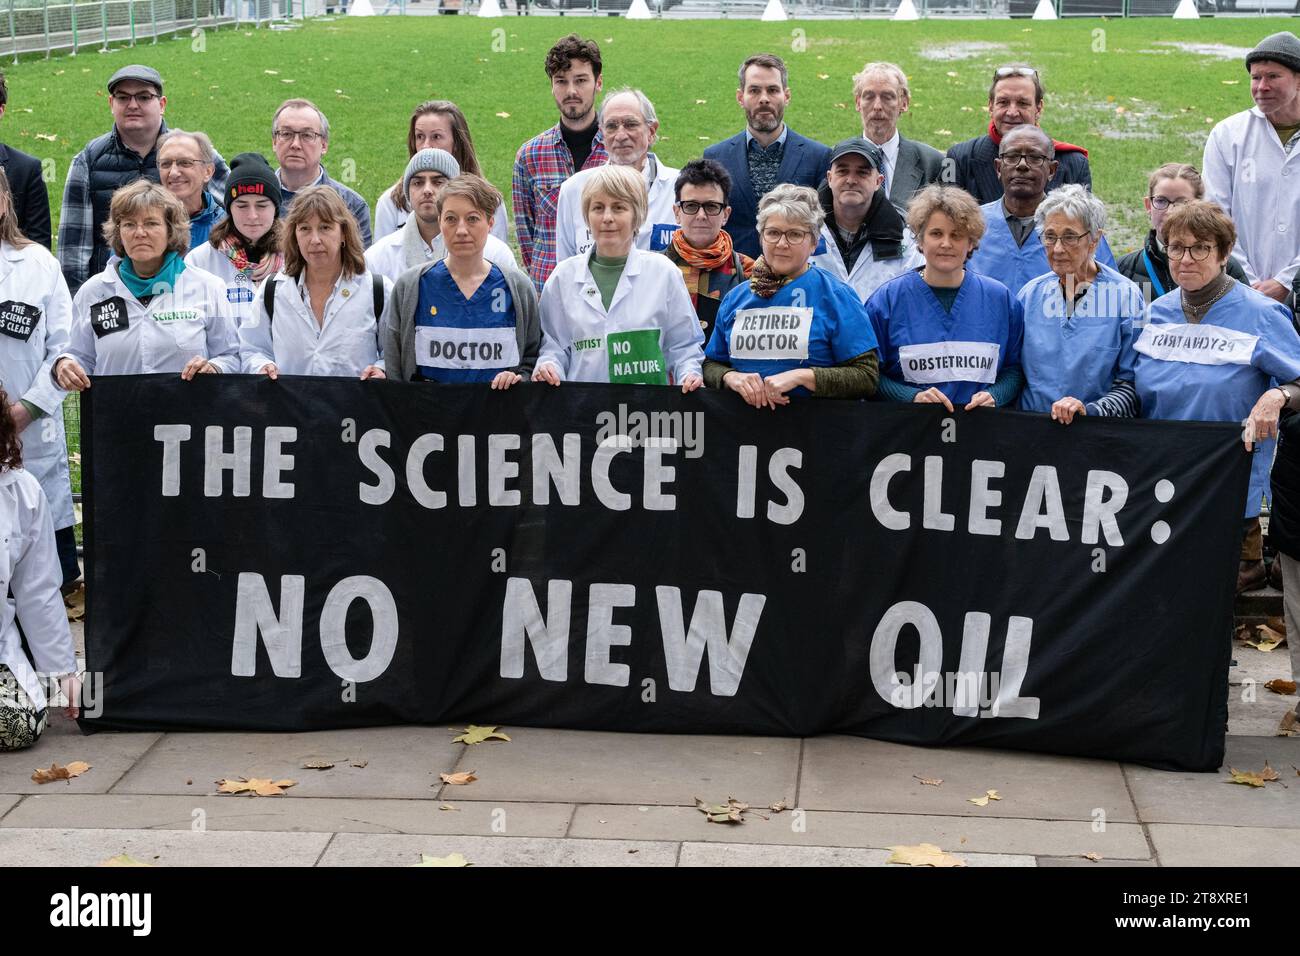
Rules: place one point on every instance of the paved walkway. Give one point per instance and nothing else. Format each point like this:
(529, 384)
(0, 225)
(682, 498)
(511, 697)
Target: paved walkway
(571, 797)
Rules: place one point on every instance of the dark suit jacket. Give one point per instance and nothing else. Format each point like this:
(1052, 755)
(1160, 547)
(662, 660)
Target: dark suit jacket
(919, 165)
(31, 202)
(804, 163)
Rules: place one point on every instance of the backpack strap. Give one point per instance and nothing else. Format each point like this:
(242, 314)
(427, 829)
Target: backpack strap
(377, 291)
(268, 299)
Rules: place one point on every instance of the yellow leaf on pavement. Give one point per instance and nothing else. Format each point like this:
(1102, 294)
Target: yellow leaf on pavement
(1092, 856)
(474, 734)
(123, 859)
(257, 786)
(458, 779)
(55, 772)
(453, 859)
(984, 800)
(924, 854)
(1246, 779)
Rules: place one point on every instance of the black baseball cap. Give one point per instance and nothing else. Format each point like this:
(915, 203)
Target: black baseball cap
(861, 147)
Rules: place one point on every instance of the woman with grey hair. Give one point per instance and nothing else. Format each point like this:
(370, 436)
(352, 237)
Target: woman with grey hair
(186, 162)
(1078, 353)
(792, 329)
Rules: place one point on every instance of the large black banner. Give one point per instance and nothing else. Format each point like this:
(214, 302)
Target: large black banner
(315, 553)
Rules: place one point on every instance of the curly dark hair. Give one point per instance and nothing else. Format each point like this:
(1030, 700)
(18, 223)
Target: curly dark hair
(570, 48)
(11, 447)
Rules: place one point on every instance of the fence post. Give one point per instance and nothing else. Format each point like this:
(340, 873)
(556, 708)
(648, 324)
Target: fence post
(72, 5)
(13, 32)
(153, 18)
(45, 17)
(130, 16)
(103, 25)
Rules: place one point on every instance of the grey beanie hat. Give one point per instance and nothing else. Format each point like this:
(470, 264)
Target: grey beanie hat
(1281, 48)
(430, 160)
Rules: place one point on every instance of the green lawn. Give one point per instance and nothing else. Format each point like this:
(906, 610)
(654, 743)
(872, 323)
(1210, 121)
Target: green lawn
(1123, 88)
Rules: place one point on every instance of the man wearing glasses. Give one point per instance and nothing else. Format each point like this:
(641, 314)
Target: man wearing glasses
(701, 248)
(630, 126)
(300, 136)
(1012, 250)
(1015, 99)
(127, 152)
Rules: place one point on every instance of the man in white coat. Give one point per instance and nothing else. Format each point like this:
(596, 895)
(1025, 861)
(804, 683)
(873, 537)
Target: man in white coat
(1252, 167)
(419, 240)
(864, 240)
(628, 122)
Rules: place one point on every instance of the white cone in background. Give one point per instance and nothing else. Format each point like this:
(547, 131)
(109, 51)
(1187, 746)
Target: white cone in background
(1187, 10)
(638, 11)
(774, 11)
(489, 8)
(1045, 10)
(360, 8)
(906, 11)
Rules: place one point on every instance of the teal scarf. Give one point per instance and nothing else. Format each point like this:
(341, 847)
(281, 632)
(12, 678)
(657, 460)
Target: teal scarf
(143, 289)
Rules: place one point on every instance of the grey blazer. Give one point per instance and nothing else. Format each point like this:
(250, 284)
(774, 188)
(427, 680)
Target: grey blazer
(399, 322)
(919, 165)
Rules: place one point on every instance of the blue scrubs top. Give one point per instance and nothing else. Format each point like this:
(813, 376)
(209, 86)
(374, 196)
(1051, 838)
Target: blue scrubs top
(464, 340)
(998, 256)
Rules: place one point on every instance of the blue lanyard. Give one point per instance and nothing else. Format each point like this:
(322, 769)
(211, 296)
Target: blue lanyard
(1151, 274)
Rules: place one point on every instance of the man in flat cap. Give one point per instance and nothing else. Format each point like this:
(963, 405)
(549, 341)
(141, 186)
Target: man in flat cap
(127, 152)
(1252, 167)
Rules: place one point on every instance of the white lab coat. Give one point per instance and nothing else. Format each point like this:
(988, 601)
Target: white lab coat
(650, 295)
(192, 319)
(347, 341)
(241, 290)
(29, 563)
(1249, 174)
(31, 277)
(572, 237)
(388, 256)
(869, 273)
(389, 219)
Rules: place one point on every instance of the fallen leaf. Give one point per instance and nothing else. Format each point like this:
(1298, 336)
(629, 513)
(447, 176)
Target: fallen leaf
(705, 138)
(779, 806)
(943, 132)
(924, 854)
(730, 812)
(317, 764)
(76, 604)
(963, 840)
(449, 806)
(123, 859)
(1277, 624)
(257, 787)
(286, 81)
(458, 779)
(952, 73)
(504, 115)
(55, 772)
(271, 72)
(1268, 639)
(454, 859)
(841, 106)
(1279, 686)
(474, 734)
(929, 781)
(823, 76)
(1264, 776)
(1230, 82)
(700, 102)
(360, 764)
(1092, 856)
(1290, 725)
(48, 137)
(984, 800)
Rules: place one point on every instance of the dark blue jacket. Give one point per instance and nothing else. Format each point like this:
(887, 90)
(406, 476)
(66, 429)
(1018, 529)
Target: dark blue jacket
(805, 163)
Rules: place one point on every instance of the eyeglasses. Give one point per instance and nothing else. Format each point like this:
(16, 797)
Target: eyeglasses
(792, 237)
(307, 137)
(631, 125)
(165, 164)
(1163, 202)
(1003, 72)
(692, 208)
(144, 99)
(1199, 252)
(1032, 160)
(1067, 239)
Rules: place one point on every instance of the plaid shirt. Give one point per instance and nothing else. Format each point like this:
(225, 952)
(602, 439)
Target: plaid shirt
(80, 236)
(541, 167)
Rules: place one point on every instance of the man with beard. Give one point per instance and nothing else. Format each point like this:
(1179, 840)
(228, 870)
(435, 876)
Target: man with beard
(864, 240)
(548, 159)
(1012, 250)
(768, 152)
(1252, 168)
